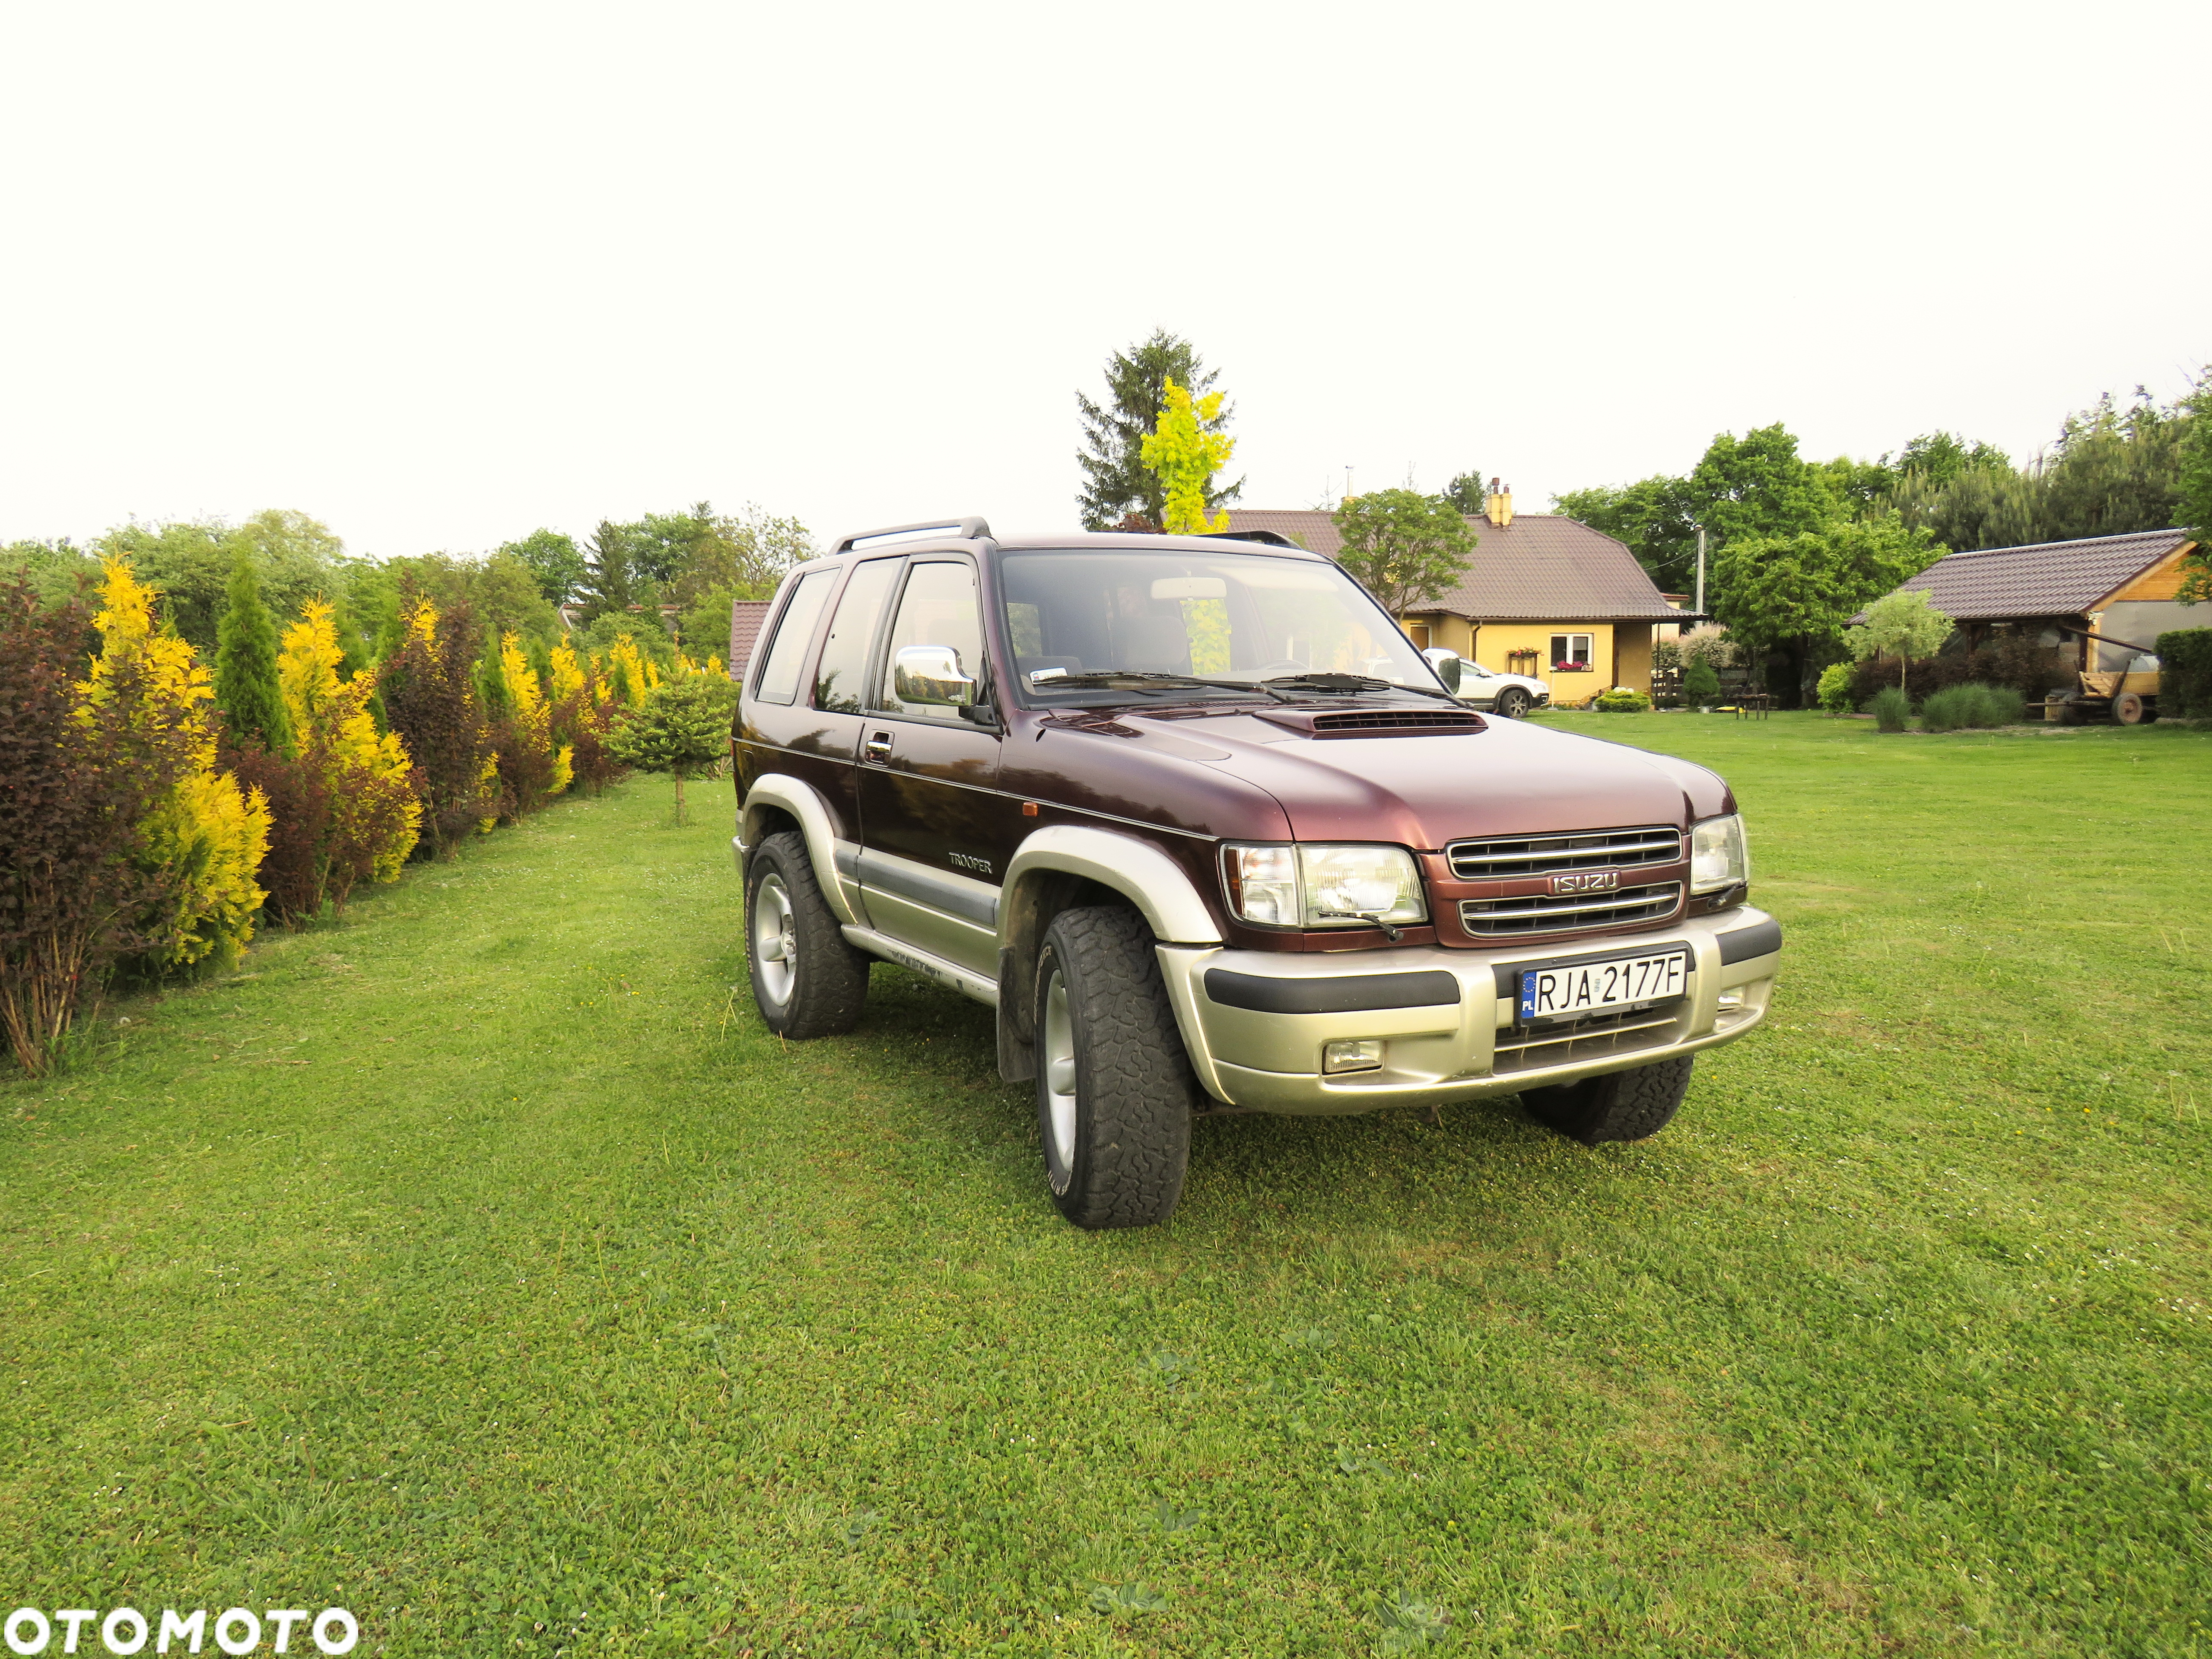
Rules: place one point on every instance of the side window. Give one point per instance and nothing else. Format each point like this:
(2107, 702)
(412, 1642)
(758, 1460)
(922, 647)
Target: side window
(794, 632)
(938, 608)
(844, 664)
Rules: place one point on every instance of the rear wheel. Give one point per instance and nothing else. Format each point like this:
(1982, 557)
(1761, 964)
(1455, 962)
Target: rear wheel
(1114, 1087)
(1512, 702)
(807, 982)
(1619, 1106)
(2133, 708)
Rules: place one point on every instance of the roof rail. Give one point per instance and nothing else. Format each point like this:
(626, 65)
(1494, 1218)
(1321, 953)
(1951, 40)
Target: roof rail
(970, 529)
(1265, 537)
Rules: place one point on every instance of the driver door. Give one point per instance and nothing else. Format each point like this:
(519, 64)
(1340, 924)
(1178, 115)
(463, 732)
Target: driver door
(935, 834)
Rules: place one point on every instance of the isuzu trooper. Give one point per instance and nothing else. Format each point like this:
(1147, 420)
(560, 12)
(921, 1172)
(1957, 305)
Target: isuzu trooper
(1205, 830)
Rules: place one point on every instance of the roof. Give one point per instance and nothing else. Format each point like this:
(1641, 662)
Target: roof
(1539, 566)
(2050, 579)
(747, 617)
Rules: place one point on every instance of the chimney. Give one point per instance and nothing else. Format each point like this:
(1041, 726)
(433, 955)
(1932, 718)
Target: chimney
(1499, 505)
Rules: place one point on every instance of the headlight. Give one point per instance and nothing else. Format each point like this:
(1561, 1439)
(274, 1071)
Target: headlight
(1717, 858)
(1320, 886)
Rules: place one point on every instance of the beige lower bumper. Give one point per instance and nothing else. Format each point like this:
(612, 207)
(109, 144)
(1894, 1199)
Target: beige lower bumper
(1270, 1062)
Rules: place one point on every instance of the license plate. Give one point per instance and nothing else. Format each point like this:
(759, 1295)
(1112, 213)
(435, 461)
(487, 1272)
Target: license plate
(1576, 988)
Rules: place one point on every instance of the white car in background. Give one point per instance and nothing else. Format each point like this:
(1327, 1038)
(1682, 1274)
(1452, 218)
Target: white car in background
(1508, 695)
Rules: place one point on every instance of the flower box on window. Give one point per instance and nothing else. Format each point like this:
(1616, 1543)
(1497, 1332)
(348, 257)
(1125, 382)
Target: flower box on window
(1571, 668)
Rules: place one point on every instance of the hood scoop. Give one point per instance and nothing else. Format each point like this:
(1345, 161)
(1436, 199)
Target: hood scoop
(1373, 722)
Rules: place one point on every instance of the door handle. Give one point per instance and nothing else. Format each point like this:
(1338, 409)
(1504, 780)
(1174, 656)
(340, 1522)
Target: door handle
(876, 751)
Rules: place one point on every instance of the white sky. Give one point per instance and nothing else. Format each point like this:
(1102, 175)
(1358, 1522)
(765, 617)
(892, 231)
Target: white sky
(439, 273)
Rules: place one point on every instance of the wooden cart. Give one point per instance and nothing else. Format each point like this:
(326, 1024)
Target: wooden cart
(2128, 695)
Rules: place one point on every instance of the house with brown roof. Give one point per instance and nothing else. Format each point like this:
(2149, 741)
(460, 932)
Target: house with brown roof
(1544, 595)
(747, 617)
(2122, 588)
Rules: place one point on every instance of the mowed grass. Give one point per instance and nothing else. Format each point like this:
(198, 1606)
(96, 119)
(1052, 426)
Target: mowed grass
(481, 1265)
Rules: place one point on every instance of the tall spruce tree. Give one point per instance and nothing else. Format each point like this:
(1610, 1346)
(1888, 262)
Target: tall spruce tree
(1116, 482)
(246, 684)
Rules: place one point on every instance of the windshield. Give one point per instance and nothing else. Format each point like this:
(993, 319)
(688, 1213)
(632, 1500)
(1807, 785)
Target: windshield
(1238, 617)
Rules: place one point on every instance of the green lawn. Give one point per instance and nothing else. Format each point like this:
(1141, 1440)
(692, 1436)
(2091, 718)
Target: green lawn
(481, 1265)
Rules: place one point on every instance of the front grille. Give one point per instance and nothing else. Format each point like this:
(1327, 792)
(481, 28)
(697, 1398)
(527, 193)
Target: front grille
(1532, 1049)
(1541, 913)
(1543, 856)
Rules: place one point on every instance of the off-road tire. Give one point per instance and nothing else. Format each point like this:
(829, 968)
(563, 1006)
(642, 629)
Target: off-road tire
(1619, 1106)
(827, 983)
(1119, 1162)
(1511, 703)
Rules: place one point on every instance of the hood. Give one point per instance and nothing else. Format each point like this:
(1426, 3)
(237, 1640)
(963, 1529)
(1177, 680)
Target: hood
(1423, 790)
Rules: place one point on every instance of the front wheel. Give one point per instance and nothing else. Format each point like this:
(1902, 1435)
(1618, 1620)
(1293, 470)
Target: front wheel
(1115, 1088)
(1512, 702)
(1619, 1106)
(807, 982)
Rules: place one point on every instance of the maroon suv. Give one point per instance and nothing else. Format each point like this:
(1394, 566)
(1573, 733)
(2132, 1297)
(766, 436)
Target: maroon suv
(1207, 831)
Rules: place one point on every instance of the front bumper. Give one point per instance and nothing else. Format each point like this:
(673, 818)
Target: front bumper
(1263, 1050)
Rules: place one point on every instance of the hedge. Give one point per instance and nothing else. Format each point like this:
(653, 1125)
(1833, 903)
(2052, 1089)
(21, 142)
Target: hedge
(2184, 673)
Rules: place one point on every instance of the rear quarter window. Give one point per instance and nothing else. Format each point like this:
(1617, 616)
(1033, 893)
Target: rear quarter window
(794, 632)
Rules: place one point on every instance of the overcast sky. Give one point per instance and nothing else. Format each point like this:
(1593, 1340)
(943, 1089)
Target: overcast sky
(441, 274)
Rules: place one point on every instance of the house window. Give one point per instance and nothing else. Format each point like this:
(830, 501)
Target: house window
(1571, 652)
(1419, 633)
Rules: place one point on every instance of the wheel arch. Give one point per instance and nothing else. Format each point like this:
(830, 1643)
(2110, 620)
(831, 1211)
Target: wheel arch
(778, 801)
(1058, 868)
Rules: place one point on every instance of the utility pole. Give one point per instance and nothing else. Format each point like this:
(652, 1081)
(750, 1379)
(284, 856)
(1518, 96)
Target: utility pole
(1699, 607)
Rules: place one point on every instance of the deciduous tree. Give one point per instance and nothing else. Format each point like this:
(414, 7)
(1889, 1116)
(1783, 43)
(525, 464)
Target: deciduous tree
(553, 560)
(1797, 592)
(189, 565)
(1403, 547)
(429, 694)
(2193, 510)
(77, 779)
(1904, 625)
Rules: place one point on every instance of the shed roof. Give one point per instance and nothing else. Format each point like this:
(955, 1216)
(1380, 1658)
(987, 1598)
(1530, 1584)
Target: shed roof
(1538, 567)
(2050, 579)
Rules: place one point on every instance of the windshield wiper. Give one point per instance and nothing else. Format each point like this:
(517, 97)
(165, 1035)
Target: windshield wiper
(1352, 683)
(1156, 682)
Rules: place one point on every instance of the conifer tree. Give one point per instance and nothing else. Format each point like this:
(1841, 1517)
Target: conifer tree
(245, 687)
(682, 727)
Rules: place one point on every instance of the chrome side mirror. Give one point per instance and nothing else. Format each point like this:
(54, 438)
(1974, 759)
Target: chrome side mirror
(930, 675)
(1447, 664)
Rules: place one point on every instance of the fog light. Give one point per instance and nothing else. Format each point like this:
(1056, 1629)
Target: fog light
(1730, 1000)
(1351, 1057)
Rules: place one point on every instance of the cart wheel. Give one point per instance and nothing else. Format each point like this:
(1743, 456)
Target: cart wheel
(2065, 709)
(2133, 708)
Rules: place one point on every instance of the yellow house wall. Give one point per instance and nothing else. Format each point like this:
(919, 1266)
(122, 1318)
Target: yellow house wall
(1452, 633)
(1493, 642)
(1498, 641)
(1633, 666)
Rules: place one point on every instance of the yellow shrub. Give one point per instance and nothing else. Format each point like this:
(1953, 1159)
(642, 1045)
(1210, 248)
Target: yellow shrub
(205, 843)
(375, 816)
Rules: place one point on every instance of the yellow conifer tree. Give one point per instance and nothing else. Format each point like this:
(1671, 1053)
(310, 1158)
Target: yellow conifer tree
(206, 841)
(547, 763)
(375, 814)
